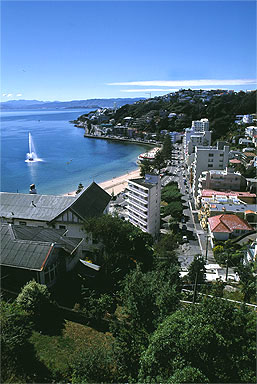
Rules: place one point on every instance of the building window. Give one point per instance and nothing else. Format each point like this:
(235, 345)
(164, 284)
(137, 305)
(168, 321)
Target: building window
(50, 272)
(22, 223)
(62, 226)
(210, 165)
(210, 155)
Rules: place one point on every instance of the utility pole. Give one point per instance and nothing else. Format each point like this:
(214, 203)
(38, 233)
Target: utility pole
(206, 253)
(195, 287)
(226, 279)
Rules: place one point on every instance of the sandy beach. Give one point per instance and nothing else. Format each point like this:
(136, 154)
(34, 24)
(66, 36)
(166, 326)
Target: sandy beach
(116, 184)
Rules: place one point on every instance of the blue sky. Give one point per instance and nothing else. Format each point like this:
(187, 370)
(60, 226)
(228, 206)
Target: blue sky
(61, 50)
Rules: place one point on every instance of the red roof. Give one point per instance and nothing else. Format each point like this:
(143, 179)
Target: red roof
(211, 192)
(228, 223)
(235, 161)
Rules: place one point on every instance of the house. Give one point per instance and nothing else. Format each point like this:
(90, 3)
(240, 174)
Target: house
(58, 212)
(225, 226)
(43, 254)
(144, 199)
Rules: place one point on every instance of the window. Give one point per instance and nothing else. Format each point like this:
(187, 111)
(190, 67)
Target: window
(221, 154)
(22, 223)
(62, 226)
(50, 272)
(210, 160)
(210, 165)
(210, 155)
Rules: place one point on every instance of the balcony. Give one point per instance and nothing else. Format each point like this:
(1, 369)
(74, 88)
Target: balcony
(137, 218)
(135, 196)
(137, 190)
(136, 204)
(137, 212)
(137, 224)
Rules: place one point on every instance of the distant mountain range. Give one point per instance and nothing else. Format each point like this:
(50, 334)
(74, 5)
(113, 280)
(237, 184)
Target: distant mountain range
(90, 103)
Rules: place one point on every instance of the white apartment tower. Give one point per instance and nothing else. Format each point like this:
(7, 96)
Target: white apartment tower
(198, 134)
(208, 158)
(144, 199)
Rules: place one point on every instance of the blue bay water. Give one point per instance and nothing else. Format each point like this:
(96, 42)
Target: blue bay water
(68, 157)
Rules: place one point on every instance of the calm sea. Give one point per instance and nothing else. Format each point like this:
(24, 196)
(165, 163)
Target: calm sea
(68, 157)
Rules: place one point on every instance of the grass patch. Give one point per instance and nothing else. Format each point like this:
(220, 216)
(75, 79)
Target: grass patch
(58, 352)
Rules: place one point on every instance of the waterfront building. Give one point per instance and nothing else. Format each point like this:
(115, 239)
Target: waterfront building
(58, 212)
(207, 158)
(144, 199)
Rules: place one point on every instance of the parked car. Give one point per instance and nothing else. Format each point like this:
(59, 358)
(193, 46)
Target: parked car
(184, 238)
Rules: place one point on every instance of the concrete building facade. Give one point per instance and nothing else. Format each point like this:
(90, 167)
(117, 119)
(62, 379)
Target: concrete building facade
(222, 180)
(144, 199)
(207, 158)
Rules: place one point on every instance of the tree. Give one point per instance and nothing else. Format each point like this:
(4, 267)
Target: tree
(149, 297)
(94, 364)
(145, 167)
(35, 300)
(214, 340)
(197, 268)
(167, 147)
(248, 280)
(17, 353)
(158, 162)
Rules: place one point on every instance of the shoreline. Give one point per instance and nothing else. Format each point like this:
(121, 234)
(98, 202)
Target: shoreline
(116, 184)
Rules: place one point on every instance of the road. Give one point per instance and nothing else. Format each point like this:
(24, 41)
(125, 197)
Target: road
(197, 237)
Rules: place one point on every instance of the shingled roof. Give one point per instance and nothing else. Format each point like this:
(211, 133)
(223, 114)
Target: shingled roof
(90, 202)
(30, 247)
(228, 223)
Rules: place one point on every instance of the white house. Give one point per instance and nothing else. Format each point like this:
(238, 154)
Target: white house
(59, 212)
(224, 226)
(144, 198)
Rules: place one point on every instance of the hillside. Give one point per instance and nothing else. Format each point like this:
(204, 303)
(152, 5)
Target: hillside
(220, 107)
(90, 103)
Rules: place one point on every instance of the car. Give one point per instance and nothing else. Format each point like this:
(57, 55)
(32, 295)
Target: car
(183, 220)
(184, 227)
(184, 238)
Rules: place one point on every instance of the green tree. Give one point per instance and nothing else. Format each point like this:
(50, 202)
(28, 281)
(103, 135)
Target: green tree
(149, 297)
(18, 360)
(167, 148)
(215, 340)
(145, 167)
(197, 268)
(35, 300)
(248, 281)
(94, 364)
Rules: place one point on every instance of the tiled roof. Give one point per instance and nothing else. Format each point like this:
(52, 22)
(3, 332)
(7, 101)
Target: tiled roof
(228, 223)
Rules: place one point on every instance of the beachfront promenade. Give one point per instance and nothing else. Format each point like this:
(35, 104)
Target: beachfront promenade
(122, 139)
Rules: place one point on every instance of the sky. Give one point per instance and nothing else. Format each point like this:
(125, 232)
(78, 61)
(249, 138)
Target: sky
(62, 50)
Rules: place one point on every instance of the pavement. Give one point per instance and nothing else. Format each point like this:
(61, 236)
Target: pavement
(197, 237)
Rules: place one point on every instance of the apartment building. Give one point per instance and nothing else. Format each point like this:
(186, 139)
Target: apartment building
(207, 158)
(144, 198)
(198, 134)
(222, 180)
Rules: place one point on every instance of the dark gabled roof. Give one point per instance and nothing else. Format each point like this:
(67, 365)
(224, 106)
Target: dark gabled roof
(30, 247)
(50, 235)
(92, 202)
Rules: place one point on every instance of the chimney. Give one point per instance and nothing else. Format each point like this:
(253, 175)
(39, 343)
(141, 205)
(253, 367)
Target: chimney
(32, 189)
